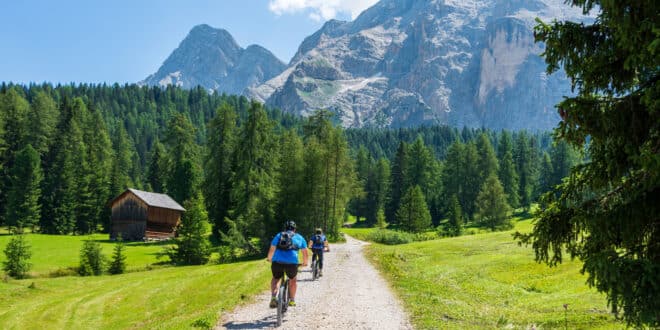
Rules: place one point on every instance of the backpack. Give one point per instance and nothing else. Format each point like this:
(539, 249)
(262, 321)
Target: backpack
(318, 239)
(286, 241)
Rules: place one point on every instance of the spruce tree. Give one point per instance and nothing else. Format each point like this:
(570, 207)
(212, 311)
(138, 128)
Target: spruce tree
(157, 168)
(92, 260)
(183, 175)
(118, 262)
(192, 247)
(606, 212)
(23, 206)
(470, 178)
(18, 254)
(400, 181)
(455, 222)
(507, 172)
(290, 179)
(41, 126)
(546, 176)
(491, 207)
(487, 164)
(523, 160)
(413, 214)
(120, 179)
(218, 166)
(378, 187)
(14, 109)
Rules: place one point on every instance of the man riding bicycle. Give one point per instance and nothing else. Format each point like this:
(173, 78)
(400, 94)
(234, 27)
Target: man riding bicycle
(283, 254)
(318, 243)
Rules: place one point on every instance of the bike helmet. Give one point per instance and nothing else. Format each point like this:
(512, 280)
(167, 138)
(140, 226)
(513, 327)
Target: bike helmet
(319, 231)
(290, 225)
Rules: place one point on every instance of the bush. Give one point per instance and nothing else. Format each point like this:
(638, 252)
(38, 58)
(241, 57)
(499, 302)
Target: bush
(390, 237)
(92, 259)
(18, 253)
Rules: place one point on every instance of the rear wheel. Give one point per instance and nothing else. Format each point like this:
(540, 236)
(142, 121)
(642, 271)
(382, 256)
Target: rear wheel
(281, 302)
(315, 270)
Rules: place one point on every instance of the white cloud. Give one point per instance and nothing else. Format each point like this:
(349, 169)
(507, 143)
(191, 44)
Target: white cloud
(320, 9)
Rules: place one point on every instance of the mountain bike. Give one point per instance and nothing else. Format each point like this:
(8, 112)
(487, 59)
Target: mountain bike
(283, 298)
(315, 269)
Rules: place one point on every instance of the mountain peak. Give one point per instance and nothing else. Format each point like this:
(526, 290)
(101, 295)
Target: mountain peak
(210, 57)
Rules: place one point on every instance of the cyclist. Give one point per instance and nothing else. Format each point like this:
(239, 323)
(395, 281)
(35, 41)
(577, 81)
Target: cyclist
(283, 254)
(318, 243)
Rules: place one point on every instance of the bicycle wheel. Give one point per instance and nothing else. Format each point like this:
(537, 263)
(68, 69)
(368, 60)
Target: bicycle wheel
(281, 304)
(315, 270)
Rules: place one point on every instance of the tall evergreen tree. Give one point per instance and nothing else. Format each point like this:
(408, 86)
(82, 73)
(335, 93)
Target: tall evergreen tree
(523, 160)
(341, 180)
(377, 189)
(413, 215)
(255, 185)
(23, 207)
(564, 157)
(119, 175)
(183, 173)
(65, 182)
(291, 180)
(455, 223)
(218, 166)
(606, 212)
(487, 164)
(470, 178)
(546, 175)
(491, 206)
(192, 247)
(14, 109)
(507, 172)
(157, 168)
(41, 126)
(363, 163)
(400, 181)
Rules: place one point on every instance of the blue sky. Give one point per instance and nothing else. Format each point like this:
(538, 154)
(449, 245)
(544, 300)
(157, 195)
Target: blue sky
(125, 40)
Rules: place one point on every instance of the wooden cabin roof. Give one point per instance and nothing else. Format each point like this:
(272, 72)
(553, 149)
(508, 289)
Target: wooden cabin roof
(154, 199)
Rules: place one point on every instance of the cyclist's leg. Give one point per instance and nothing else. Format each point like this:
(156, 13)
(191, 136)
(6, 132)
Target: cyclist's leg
(278, 271)
(291, 272)
(320, 255)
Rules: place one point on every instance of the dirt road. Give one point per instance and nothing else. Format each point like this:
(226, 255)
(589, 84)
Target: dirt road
(350, 295)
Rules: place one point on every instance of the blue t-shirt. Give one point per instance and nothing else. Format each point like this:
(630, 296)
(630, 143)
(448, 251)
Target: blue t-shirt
(288, 256)
(318, 244)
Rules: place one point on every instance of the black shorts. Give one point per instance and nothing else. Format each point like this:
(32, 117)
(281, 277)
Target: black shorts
(278, 270)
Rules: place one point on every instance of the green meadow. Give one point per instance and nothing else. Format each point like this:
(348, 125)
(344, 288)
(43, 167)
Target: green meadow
(487, 281)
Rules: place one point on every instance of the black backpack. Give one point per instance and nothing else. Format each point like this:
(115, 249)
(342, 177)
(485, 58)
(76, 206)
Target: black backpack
(318, 239)
(286, 241)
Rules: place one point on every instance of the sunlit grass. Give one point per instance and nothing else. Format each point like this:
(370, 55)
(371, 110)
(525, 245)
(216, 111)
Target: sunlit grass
(488, 281)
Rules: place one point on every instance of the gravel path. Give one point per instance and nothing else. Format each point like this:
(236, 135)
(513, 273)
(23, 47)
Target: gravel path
(350, 295)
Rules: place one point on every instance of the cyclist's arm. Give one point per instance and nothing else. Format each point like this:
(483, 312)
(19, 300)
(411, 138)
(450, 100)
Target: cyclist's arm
(271, 251)
(305, 256)
(309, 244)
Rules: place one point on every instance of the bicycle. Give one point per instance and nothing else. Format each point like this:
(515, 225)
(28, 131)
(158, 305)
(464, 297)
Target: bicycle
(315, 269)
(283, 298)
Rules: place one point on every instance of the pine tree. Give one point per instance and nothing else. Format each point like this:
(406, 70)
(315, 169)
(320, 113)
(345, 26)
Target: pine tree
(41, 127)
(157, 168)
(564, 157)
(92, 260)
(23, 207)
(400, 181)
(119, 175)
(470, 178)
(255, 185)
(290, 179)
(363, 169)
(491, 207)
(183, 173)
(455, 223)
(218, 166)
(507, 173)
(14, 109)
(546, 176)
(18, 254)
(487, 164)
(192, 247)
(378, 187)
(606, 212)
(341, 181)
(522, 158)
(118, 262)
(413, 215)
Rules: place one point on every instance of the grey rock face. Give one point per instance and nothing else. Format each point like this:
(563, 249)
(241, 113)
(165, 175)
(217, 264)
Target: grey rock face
(211, 58)
(412, 62)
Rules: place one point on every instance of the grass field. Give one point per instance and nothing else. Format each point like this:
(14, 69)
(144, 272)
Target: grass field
(487, 281)
(55, 253)
(167, 298)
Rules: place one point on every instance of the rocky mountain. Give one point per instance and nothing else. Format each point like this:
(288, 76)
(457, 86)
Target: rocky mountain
(412, 62)
(211, 58)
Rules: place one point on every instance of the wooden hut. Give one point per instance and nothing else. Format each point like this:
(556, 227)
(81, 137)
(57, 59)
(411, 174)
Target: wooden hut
(138, 215)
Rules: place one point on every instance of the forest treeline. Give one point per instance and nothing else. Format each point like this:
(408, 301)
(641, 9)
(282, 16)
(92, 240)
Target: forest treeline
(65, 151)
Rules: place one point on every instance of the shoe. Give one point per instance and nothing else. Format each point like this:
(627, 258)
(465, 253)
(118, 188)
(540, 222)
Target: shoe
(292, 303)
(273, 302)
(320, 273)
